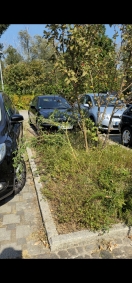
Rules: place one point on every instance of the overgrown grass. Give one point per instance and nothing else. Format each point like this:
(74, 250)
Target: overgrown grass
(91, 189)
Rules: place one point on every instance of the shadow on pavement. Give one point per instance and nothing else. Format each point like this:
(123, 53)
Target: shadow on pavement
(11, 253)
(7, 199)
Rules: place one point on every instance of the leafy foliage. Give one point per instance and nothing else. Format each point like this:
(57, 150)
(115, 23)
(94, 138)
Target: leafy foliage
(3, 28)
(12, 56)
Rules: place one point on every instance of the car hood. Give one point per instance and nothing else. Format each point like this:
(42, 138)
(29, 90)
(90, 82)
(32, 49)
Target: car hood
(59, 113)
(118, 111)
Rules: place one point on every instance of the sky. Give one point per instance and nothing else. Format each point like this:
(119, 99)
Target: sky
(10, 36)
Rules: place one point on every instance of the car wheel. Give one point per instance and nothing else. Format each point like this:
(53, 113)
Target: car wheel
(126, 136)
(20, 177)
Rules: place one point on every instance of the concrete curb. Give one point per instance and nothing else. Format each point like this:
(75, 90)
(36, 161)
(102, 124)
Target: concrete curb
(65, 241)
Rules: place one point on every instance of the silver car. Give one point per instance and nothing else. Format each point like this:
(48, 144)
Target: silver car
(99, 107)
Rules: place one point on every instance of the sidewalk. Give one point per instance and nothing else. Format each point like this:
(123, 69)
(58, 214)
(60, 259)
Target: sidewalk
(26, 230)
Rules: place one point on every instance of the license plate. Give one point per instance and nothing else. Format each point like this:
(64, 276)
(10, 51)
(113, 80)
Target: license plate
(65, 127)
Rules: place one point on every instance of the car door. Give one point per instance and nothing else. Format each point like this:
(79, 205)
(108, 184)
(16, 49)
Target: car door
(127, 117)
(86, 103)
(33, 110)
(15, 130)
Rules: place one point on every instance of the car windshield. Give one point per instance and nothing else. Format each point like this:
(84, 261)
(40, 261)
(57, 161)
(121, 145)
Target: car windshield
(53, 103)
(104, 100)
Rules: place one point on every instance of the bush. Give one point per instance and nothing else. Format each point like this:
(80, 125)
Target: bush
(21, 102)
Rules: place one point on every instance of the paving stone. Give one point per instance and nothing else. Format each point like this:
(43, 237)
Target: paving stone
(118, 252)
(92, 247)
(11, 226)
(72, 251)
(95, 255)
(53, 256)
(44, 256)
(21, 241)
(106, 254)
(5, 209)
(63, 254)
(13, 235)
(22, 206)
(119, 241)
(21, 212)
(12, 203)
(35, 249)
(22, 231)
(16, 197)
(126, 241)
(4, 234)
(28, 196)
(11, 218)
(80, 249)
(128, 249)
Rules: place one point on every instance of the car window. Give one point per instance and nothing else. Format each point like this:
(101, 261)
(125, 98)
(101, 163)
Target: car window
(10, 109)
(82, 100)
(34, 102)
(53, 103)
(108, 100)
(130, 111)
(87, 100)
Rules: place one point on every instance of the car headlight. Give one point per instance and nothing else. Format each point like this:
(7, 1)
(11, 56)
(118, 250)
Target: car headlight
(2, 151)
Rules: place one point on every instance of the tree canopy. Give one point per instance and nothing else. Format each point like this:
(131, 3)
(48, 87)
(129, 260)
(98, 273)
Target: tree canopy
(3, 28)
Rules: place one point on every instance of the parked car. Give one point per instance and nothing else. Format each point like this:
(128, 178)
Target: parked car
(52, 111)
(12, 178)
(90, 102)
(125, 127)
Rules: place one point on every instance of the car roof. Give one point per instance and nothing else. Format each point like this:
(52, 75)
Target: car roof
(97, 94)
(49, 95)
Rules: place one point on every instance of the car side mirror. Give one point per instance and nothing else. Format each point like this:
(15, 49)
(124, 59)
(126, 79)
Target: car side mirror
(32, 106)
(86, 104)
(128, 104)
(16, 118)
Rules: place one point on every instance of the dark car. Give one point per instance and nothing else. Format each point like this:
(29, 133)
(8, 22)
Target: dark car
(52, 111)
(125, 127)
(12, 178)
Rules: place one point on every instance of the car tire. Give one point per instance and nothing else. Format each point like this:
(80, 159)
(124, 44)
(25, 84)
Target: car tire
(126, 136)
(20, 177)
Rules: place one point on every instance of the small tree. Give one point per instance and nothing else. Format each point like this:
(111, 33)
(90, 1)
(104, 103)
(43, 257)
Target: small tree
(86, 58)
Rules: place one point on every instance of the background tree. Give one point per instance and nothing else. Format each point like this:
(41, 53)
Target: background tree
(3, 28)
(25, 43)
(12, 56)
